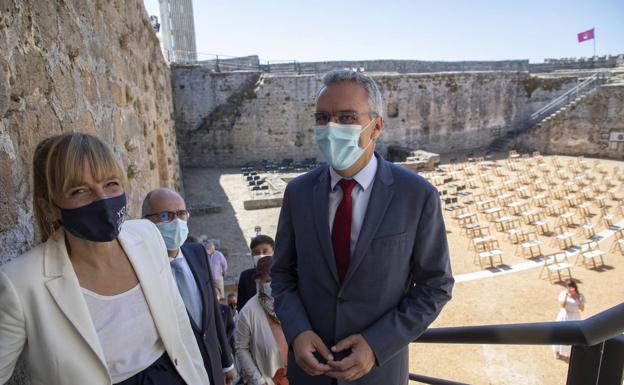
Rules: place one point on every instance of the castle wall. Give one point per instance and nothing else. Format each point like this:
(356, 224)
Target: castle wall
(589, 128)
(229, 119)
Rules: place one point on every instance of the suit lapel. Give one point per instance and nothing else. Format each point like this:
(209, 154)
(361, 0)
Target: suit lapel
(320, 203)
(198, 273)
(378, 203)
(65, 289)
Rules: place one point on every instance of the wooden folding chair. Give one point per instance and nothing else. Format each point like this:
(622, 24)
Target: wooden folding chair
(587, 230)
(480, 243)
(475, 230)
(583, 210)
(541, 225)
(600, 201)
(564, 239)
(566, 219)
(540, 200)
(618, 242)
(558, 264)
(530, 246)
(554, 209)
(619, 245)
(590, 252)
(611, 194)
(491, 253)
(607, 219)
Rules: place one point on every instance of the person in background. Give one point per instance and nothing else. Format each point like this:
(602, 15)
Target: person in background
(232, 301)
(227, 316)
(167, 209)
(88, 305)
(218, 265)
(572, 303)
(261, 347)
(190, 239)
(260, 246)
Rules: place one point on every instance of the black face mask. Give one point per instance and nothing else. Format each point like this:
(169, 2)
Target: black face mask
(99, 221)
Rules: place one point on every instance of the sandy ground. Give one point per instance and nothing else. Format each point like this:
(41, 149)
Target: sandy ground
(512, 298)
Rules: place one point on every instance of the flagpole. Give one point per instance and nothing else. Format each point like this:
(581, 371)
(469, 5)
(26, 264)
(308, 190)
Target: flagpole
(594, 44)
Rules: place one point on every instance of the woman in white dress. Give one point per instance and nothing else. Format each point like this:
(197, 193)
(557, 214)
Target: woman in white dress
(572, 304)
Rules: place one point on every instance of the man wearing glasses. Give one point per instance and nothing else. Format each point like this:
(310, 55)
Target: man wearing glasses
(190, 268)
(361, 259)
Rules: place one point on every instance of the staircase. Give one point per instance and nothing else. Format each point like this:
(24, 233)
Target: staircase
(569, 99)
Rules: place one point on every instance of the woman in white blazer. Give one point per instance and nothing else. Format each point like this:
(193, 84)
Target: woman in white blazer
(96, 302)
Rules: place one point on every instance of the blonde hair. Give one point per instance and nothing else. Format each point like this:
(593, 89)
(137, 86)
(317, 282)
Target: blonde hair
(66, 157)
(40, 188)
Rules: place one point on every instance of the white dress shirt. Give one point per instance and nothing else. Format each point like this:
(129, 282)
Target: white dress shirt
(360, 196)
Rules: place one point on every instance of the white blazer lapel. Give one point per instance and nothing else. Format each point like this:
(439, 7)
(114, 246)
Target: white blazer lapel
(65, 289)
(148, 270)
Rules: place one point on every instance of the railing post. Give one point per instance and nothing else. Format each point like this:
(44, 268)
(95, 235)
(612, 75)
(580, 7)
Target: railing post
(612, 367)
(584, 365)
(600, 364)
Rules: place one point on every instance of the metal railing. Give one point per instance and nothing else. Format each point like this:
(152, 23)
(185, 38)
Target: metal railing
(597, 344)
(567, 97)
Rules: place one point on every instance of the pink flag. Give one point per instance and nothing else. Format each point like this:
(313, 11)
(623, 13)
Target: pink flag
(587, 35)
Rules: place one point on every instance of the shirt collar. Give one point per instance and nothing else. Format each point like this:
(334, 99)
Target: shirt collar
(179, 256)
(364, 177)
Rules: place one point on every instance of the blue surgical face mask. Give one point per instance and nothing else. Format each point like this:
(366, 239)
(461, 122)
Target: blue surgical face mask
(339, 143)
(174, 233)
(266, 288)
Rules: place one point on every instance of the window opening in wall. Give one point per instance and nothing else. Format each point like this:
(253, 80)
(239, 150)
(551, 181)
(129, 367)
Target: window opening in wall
(393, 110)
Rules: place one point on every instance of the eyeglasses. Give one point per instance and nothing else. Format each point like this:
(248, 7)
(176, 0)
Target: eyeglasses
(168, 216)
(342, 117)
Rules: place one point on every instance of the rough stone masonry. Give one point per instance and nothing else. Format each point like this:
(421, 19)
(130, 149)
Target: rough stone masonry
(229, 119)
(89, 66)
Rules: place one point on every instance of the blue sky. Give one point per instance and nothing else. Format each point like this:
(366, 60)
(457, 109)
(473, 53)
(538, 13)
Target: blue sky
(402, 29)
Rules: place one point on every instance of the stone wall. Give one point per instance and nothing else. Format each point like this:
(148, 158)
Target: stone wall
(400, 66)
(229, 119)
(82, 65)
(583, 129)
(549, 65)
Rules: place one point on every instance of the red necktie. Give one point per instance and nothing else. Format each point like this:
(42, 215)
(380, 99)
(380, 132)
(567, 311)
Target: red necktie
(341, 231)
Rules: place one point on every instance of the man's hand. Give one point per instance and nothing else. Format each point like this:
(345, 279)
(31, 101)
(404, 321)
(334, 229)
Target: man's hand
(304, 347)
(230, 376)
(356, 364)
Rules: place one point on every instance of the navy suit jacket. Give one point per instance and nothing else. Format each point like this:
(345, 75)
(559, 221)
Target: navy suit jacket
(399, 275)
(246, 287)
(210, 335)
(228, 323)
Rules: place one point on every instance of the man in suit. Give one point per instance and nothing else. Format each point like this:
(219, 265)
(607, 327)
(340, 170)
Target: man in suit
(227, 316)
(189, 264)
(261, 245)
(357, 275)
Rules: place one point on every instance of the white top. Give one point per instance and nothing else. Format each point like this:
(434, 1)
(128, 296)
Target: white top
(126, 331)
(360, 196)
(571, 304)
(256, 349)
